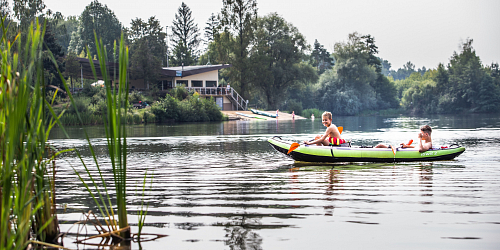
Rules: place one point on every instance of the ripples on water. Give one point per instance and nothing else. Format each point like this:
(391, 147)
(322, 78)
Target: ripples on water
(230, 190)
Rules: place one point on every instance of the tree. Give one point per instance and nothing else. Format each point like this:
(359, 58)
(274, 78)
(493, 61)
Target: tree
(238, 18)
(64, 28)
(144, 64)
(321, 58)
(468, 84)
(4, 9)
(185, 35)
(211, 29)
(277, 59)
(147, 50)
(27, 10)
(404, 72)
(347, 89)
(386, 66)
(372, 51)
(72, 67)
(385, 89)
(100, 19)
(51, 73)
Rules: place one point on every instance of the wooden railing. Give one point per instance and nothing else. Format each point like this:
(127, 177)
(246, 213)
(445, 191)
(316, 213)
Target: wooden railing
(230, 93)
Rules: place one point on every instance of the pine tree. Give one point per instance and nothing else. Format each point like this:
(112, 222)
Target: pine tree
(211, 29)
(321, 58)
(185, 37)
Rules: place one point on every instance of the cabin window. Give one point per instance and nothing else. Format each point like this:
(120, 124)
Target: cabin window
(181, 83)
(211, 83)
(197, 83)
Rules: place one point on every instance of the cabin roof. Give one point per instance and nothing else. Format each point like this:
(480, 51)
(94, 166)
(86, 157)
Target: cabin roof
(180, 71)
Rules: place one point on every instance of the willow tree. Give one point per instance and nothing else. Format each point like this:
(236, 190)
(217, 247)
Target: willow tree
(278, 58)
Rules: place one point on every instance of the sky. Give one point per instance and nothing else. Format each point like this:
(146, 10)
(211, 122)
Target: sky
(425, 32)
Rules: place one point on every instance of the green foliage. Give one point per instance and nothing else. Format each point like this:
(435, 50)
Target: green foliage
(148, 117)
(321, 58)
(27, 191)
(464, 87)
(100, 19)
(185, 37)
(308, 112)
(180, 93)
(27, 10)
(166, 109)
(278, 59)
(148, 49)
(72, 67)
(238, 19)
(145, 63)
(135, 97)
(191, 109)
(356, 83)
(115, 120)
(212, 28)
(295, 106)
(420, 97)
(81, 104)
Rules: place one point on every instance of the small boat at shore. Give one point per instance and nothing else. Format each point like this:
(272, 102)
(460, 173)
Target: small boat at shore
(313, 153)
(258, 112)
(250, 116)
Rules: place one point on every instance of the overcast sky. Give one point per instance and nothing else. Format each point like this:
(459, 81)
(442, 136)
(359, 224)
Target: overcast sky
(425, 32)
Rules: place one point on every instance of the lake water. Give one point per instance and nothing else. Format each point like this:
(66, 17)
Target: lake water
(222, 186)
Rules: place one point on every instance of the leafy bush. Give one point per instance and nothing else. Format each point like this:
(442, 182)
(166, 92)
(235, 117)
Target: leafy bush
(191, 109)
(135, 97)
(89, 90)
(148, 117)
(82, 105)
(308, 112)
(180, 93)
(136, 118)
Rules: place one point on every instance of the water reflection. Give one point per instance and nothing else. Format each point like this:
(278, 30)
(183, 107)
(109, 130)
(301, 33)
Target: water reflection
(220, 185)
(240, 234)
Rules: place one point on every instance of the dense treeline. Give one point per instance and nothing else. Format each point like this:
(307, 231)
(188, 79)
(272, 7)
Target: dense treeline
(464, 85)
(273, 65)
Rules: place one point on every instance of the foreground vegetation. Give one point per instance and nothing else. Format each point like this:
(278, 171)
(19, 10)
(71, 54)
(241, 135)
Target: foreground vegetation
(28, 217)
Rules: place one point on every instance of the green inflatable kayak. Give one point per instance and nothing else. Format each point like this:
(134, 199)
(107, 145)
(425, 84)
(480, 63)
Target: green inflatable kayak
(346, 153)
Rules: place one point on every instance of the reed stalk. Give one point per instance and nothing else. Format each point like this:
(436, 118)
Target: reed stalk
(27, 199)
(114, 123)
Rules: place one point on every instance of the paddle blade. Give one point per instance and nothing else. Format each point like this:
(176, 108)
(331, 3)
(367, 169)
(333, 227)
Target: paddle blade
(410, 142)
(340, 129)
(393, 150)
(293, 147)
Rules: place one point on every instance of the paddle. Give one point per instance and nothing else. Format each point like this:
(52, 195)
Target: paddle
(295, 145)
(394, 149)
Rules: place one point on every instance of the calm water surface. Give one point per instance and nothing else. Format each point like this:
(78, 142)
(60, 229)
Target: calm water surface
(221, 186)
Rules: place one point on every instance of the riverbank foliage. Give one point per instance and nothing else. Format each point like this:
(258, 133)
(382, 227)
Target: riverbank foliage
(464, 85)
(182, 106)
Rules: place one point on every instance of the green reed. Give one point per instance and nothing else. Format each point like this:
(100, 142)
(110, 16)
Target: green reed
(114, 123)
(27, 192)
